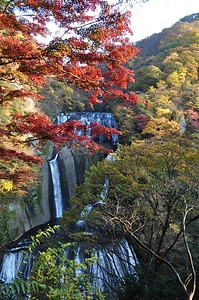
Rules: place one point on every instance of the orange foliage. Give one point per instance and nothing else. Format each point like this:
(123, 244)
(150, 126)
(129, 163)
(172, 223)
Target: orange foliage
(94, 35)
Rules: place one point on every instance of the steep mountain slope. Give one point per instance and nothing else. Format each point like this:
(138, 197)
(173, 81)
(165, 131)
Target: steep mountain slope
(166, 79)
(169, 38)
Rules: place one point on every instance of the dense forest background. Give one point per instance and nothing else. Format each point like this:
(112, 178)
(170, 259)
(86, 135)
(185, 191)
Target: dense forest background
(154, 182)
(166, 80)
(160, 142)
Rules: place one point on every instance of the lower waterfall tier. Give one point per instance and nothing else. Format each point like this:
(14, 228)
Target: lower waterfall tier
(112, 264)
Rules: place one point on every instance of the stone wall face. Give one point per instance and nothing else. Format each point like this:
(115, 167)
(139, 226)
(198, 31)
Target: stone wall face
(72, 170)
(67, 174)
(30, 216)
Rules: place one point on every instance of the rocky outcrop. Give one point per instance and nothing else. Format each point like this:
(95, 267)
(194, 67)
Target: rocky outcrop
(68, 174)
(72, 168)
(29, 215)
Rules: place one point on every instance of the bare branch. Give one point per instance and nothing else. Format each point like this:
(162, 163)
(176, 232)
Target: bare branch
(193, 272)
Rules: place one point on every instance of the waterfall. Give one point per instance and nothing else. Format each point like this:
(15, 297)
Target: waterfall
(113, 263)
(182, 124)
(115, 260)
(84, 214)
(10, 266)
(58, 199)
(104, 190)
(16, 263)
(105, 119)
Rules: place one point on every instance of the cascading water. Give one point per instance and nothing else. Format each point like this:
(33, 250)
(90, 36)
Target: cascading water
(104, 191)
(16, 263)
(57, 192)
(105, 119)
(114, 261)
(84, 214)
(10, 266)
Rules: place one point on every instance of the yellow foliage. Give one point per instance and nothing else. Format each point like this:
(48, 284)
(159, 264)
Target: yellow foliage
(162, 127)
(164, 100)
(6, 185)
(197, 102)
(163, 112)
(161, 83)
(173, 79)
(171, 58)
(20, 36)
(174, 227)
(177, 78)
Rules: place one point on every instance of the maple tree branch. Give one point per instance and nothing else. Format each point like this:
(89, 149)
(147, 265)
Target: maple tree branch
(79, 26)
(34, 139)
(18, 58)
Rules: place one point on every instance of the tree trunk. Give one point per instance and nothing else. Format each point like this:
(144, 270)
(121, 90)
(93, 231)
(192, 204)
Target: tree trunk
(190, 296)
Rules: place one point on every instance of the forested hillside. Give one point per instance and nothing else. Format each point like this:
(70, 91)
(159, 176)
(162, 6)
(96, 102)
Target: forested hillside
(153, 183)
(146, 193)
(166, 79)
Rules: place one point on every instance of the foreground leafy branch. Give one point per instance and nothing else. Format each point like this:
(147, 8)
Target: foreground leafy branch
(53, 275)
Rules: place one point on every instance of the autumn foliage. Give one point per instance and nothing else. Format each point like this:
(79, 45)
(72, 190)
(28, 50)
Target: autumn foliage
(193, 118)
(90, 51)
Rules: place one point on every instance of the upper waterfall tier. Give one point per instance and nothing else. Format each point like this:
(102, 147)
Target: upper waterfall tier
(103, 118)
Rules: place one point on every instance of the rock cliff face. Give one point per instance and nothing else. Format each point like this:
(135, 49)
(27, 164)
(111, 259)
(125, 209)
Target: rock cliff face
(68, 174)
(28, 216)
(72, 168)
(61, 173)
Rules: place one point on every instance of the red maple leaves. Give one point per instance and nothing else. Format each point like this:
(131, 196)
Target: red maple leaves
(41, 128)
(90, 41)
(90, 52)
(193, 118)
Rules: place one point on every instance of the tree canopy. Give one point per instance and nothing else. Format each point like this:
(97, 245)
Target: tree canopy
(90, 52)
(152, 198)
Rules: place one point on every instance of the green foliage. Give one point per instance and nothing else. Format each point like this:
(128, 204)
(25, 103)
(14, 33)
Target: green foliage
(62, 97)
(6, 219)
(150, 185)
(125, 119)
(53, 276)
(33, 194)
(59, 275)
(146, 77)
(20, 289)
(73, 215)
(150, 285)
(42, 234)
